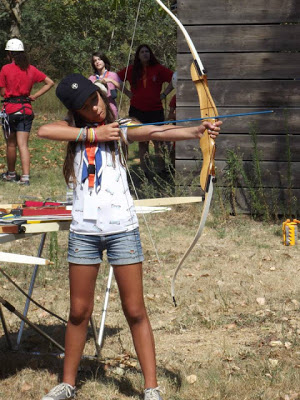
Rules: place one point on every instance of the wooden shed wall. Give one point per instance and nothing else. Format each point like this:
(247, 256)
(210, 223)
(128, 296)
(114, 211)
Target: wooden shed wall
(251, 52)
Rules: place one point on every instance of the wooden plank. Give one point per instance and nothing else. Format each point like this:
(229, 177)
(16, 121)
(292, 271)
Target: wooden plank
(241, 38)
(47, 227)
(167, 201)
(243, 65)
(280, 197)
(276, 123)
(249, 12)
(271, 147)
(274, 174)
(10, 228)
(243, 93)
(277, 199)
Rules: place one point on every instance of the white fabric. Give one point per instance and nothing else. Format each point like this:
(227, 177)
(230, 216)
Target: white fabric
(111, 210)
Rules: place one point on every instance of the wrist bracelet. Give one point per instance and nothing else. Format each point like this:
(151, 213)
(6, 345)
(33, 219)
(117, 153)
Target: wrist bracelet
(78, 136)
(84, 134)
(91, 135)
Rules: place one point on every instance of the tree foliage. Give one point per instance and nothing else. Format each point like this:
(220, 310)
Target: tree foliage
(61, 35)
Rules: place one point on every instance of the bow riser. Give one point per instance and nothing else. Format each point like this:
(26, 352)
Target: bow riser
(207, 109)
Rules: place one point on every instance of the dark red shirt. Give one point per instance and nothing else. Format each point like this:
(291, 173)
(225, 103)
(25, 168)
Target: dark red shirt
(172, 103)
(146, 93)
(19, 83)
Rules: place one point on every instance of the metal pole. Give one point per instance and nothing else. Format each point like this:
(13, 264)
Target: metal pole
(101, 330)
(30, 290)
(24, 319)
(5, 329)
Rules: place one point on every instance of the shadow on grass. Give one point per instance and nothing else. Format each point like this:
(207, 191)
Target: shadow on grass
(37, 353)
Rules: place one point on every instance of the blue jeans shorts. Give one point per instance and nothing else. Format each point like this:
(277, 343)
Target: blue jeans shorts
(122, 248)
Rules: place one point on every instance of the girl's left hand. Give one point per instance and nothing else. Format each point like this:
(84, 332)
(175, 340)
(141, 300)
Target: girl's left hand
(212, 129)
(108, 132)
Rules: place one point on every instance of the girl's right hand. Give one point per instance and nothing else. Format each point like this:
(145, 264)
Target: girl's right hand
(106, 133)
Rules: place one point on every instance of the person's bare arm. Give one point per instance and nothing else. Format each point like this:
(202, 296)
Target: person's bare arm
(48, 83)
(171, 132)
(62, 131)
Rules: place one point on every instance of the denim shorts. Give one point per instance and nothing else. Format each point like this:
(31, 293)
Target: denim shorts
(122, 248)
(20, 122)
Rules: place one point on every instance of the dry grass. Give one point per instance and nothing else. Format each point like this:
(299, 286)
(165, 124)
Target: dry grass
(236, 328)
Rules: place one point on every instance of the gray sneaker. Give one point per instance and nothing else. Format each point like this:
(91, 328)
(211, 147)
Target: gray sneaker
(8, 177)
(62, 391)
(152, 394)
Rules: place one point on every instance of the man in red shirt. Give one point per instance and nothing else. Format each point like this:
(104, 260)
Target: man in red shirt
(16, 82)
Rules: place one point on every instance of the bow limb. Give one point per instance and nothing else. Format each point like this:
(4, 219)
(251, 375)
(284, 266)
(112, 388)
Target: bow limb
(207, 144)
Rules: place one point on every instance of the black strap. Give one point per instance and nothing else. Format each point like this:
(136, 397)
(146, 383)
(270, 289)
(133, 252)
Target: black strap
(17, 100)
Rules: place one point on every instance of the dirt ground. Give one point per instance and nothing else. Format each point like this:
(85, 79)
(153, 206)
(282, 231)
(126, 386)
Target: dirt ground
(234, 334)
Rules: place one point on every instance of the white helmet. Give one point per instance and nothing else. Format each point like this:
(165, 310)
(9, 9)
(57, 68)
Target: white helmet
(174, 80)
(14, 45)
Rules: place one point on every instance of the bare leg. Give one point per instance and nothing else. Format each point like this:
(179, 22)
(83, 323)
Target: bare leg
(82, 288)
(129, 280)
(144, 155)
(11, 152)
(22, 140)
(159, 148)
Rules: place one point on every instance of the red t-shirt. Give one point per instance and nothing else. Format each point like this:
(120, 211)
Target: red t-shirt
(172, 103)
(146, 94)
(19, 83)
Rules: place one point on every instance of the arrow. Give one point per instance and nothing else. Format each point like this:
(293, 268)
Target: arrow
(200, 119)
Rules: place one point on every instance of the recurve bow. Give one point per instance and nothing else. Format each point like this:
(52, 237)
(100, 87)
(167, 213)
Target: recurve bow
(207, 144)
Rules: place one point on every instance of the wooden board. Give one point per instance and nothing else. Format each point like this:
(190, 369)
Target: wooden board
(280, 197)
(241, 38)
(279, 122)
(9, 228)
(243, 93)
(167, 201)
(274, 173)
(233, 11)
(244, 65)
(271, 147)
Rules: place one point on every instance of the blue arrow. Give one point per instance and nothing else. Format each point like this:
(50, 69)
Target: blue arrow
(199, 119)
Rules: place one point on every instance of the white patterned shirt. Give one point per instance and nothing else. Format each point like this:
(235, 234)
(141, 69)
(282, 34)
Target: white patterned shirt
(110, 210)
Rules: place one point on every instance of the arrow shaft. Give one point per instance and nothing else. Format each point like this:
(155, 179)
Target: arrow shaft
(200, 119)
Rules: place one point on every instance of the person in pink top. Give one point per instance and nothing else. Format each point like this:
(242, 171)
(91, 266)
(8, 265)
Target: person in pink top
(101, 67)
(16, 81)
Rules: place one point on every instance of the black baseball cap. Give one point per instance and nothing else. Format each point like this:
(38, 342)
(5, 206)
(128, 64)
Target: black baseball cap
(73, 91)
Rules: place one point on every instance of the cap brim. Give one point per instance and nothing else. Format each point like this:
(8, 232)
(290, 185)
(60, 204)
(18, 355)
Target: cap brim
(85, 94)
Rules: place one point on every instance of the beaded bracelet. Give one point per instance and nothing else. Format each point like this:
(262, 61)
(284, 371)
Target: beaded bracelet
(80, 132)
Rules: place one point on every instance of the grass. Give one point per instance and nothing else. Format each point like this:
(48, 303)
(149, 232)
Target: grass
(234, 335)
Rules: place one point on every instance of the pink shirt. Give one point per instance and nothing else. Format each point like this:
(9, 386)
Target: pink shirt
(110, 87)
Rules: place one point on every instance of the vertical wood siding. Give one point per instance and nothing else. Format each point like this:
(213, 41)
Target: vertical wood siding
(251, 52)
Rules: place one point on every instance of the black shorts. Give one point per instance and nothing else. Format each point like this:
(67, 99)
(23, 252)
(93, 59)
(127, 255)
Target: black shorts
(147, 116)
(20, 122)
